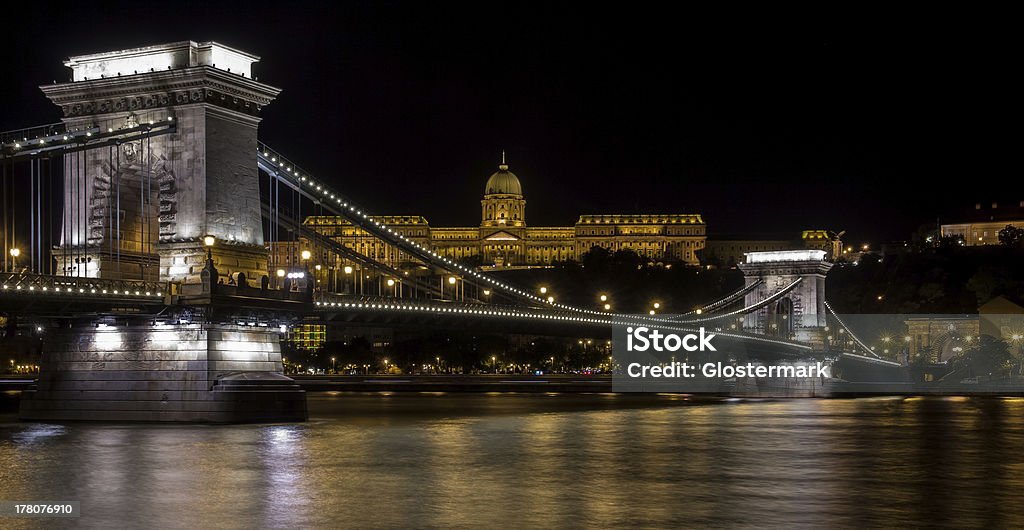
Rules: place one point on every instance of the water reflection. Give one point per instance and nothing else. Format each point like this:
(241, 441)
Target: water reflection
(465, 461)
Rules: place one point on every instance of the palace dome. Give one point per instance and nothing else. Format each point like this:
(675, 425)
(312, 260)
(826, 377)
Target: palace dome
(503, 181)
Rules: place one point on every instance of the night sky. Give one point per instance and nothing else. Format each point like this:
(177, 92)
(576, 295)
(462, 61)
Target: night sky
(766, 123)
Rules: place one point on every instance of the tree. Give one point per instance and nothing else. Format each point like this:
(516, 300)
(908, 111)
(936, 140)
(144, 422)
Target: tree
(990, 281)
(990, 356)
(1011, 236)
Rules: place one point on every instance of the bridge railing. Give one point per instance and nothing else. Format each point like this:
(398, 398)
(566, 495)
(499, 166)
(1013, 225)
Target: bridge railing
(49, 285)
(334, 298)
(32, 133)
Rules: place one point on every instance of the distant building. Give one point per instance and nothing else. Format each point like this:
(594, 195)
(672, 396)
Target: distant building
(729, 252)
(981, 225)
(830, 242)
(941, 337)
(1003, 317)
(503, 238)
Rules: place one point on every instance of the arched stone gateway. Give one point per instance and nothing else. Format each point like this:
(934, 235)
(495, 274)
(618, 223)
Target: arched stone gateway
(140, 210)
(797, 279)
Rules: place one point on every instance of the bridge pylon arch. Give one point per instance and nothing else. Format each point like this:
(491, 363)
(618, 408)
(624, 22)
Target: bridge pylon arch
(797, 279)
(143, 208)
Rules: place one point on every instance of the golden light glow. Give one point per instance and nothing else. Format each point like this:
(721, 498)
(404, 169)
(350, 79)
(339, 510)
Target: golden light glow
(607, 307)
(391, 283)
(15, 252)
(306, 254)
(209, 240)
(348, 269)
(604, 298)
(543, 290)
(280, 273)
(451, 280)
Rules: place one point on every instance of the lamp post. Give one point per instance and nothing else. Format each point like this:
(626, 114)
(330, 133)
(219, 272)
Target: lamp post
(15, 252)
(305, 255)
(333, 371)
(349, 289)
(208, 242)
(453, 281)
(1017, 339)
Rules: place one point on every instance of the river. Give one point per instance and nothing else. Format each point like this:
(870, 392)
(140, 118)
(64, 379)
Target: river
(538, 460)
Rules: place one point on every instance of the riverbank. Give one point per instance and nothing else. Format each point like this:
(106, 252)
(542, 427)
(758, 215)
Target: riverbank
(456, 383)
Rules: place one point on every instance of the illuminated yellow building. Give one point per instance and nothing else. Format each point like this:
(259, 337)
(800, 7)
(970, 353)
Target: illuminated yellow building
(982, 225)
(503, 238)
(307, 336)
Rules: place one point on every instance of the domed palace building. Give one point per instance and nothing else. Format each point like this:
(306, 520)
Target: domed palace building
(503, 238)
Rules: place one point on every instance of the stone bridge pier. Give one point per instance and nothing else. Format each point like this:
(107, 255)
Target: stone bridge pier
(144, 210)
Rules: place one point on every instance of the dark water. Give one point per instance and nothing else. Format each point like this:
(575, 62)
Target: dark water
(514, 461)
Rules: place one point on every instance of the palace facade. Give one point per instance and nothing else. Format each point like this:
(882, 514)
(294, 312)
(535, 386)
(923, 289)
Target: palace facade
(981, 225)
(503, 239)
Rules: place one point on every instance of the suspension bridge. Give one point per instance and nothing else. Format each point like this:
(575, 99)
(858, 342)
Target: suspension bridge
(154, 242)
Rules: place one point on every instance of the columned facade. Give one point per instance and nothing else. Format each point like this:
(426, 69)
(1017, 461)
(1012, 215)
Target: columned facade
(503, 238)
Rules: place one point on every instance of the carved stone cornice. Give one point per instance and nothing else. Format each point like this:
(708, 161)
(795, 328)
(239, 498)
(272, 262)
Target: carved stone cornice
(150, 90)
(785, 268)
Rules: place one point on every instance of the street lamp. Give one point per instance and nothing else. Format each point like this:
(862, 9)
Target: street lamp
(280, 273)
(208, 242)
(551, 299)
(494, 364)
(604, 298)
(15, 252)
(487, 292)
(1016, 339)
(607, 307)
(657, 305)
(332, 366)
(306, 255)
(348, 269)
(451, 280)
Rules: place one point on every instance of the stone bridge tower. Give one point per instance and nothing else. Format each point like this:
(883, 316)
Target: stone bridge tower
(799, 314)
(141, 210)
